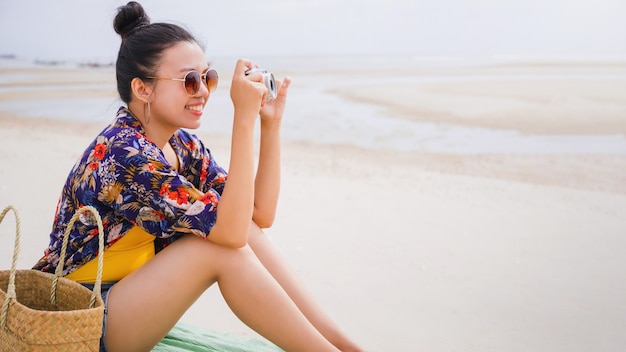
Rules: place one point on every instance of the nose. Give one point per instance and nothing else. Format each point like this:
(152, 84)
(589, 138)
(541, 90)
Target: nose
(203, 90)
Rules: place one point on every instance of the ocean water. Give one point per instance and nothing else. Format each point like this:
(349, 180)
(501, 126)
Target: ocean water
(315, 115)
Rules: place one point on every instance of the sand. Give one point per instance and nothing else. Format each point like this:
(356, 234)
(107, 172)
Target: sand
(412, 251)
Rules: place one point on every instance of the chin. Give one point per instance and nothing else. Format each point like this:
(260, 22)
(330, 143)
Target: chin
(192, 125)
(192, 122)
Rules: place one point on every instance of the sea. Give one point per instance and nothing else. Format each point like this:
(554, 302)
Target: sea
(316, 115)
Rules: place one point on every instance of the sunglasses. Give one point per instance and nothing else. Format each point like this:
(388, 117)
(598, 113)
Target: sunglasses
(193, 79)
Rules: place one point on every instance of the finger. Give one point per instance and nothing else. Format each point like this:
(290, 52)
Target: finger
(259, 86)
(283, 86)
(242, 66)
(255, 77)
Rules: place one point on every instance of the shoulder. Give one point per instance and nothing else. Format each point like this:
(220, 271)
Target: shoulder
(123, 127)
(125, 136)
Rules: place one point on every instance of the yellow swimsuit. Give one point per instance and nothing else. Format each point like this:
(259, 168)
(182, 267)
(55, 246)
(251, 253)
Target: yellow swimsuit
(122, 258)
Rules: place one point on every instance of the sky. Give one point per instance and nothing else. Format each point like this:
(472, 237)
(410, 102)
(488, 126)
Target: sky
(82, 29)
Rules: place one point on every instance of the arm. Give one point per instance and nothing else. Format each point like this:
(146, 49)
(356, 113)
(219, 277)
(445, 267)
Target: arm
(267, 182)
(174, 206)
(237, 202)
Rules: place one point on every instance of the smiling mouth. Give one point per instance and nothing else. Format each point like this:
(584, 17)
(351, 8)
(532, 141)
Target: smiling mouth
(198, 108)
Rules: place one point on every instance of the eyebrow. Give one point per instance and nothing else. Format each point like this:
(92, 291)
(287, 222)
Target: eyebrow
(187, 69)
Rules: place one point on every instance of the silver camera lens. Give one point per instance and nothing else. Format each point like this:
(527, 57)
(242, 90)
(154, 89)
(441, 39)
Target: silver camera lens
(268, 80)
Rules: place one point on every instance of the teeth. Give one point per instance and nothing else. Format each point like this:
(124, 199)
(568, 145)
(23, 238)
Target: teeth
(194, 107)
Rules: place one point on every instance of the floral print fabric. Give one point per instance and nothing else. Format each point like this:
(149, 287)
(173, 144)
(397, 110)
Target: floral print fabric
(127, 178)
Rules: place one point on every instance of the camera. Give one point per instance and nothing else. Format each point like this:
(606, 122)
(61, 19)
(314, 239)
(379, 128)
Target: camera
(268, 80)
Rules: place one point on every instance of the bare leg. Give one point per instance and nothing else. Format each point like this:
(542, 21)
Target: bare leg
(281, 271)
(145, 305)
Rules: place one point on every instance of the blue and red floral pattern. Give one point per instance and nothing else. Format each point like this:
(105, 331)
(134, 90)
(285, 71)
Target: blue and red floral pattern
(127, 178)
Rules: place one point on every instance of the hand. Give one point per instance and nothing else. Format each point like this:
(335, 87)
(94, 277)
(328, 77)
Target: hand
(273, 110)
(247, 92)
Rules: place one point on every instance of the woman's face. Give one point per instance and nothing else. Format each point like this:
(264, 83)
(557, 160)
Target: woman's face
(171, 105)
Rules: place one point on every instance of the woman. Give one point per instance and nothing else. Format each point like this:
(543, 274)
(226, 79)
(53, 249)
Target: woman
(173, 224)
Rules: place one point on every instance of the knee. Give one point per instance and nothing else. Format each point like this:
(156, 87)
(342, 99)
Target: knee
(209, 252)
(254, 233)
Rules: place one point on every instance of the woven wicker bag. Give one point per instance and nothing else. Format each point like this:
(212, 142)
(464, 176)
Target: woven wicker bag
(44, 312)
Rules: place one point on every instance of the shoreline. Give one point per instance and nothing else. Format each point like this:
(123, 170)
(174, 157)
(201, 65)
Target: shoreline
(507, 109)
(599, 172)
(551, 90)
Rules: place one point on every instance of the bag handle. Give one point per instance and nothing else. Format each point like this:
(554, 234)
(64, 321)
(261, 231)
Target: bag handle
(11, 288)
(59, 270)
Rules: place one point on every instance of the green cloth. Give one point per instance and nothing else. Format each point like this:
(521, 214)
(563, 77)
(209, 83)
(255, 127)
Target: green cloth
(184, 338)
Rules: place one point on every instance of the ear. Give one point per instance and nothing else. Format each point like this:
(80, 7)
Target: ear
(140, 89)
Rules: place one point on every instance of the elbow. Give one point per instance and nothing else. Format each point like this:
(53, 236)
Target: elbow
(264, 223)
(234, 244)
(263, 220)
(230, 237)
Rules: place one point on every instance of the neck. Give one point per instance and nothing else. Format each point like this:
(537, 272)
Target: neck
(154, 130)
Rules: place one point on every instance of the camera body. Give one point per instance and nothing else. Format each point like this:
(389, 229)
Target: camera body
(268, 80)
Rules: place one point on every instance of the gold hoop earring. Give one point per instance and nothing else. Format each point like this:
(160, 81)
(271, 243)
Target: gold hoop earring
(146, 117)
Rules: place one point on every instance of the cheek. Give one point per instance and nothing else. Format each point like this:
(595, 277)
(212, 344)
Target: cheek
(164, 109)
(171, 90)
(173, 99)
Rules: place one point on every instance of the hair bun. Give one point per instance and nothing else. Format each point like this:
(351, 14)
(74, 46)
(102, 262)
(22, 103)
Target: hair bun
(130, 17)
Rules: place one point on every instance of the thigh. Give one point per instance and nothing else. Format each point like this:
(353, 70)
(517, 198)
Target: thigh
(269, 256)
(146, 304)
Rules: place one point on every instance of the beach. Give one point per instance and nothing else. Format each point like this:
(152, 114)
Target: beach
(429, 206)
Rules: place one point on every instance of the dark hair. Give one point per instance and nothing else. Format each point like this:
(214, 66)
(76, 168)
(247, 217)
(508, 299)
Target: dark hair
(142, 45)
